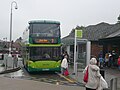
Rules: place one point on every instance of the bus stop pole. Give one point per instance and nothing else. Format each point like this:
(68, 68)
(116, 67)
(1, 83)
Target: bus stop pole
(88, 52)
(75, 42)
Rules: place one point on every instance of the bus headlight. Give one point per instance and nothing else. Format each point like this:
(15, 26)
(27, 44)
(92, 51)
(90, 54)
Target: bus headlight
(30, 62)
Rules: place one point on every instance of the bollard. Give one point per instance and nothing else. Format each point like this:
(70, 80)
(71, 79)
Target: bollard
(9, 62)
(5, 60)
(113, 84)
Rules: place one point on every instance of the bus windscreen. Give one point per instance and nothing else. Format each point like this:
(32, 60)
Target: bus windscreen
(44, 30)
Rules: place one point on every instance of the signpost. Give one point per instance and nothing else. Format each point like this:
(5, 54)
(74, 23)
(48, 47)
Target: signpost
(78, 34)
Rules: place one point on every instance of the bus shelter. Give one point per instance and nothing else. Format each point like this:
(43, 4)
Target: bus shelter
(83, 47)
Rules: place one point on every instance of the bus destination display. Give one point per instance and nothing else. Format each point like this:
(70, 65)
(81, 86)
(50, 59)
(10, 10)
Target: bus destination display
(48, 40)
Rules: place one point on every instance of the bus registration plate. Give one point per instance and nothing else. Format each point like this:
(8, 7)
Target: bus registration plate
(45, 69)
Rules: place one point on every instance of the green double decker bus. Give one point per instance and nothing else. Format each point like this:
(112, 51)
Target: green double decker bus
(42, 46)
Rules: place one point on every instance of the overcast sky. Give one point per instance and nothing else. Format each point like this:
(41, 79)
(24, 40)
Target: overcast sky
(69, 12)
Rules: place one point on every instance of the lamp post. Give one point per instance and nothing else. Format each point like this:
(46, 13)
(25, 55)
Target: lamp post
(10, 60)
(10, 46)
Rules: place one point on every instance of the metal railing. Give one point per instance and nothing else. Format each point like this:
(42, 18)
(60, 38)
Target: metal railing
(115, 83)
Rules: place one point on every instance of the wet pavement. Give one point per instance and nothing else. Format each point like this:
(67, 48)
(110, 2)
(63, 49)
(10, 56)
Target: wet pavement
(109, 74)
(19, 84)
(13, 81)
(53, 78)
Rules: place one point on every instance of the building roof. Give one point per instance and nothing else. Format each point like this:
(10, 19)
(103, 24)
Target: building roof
(96, 32)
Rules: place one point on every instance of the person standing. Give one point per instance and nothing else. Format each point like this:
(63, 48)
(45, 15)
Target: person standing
(106, 59)
(119, 62)
(101, 61)
(110, 61)
(64, 65)
(93, 75)
(15, 61)
(114, 58)
(65, 54)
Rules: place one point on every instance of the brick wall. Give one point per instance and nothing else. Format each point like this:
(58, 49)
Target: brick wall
(96, 48)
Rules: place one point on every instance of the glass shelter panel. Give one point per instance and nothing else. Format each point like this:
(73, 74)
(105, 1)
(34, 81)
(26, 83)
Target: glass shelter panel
(81, 58)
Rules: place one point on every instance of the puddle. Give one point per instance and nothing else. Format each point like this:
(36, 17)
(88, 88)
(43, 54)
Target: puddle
(17, 74)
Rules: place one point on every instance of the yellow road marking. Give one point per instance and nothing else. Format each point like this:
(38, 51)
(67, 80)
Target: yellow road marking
(68, 79)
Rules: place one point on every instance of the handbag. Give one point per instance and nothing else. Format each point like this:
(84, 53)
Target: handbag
(85, 79)
(103, 84)
(66, 73)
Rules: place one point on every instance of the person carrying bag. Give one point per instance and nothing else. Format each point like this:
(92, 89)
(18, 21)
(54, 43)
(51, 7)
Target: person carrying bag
(93, 75)
(64, 66)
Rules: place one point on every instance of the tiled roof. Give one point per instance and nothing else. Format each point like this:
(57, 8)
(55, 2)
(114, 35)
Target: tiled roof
(96, 32)
(99, 31)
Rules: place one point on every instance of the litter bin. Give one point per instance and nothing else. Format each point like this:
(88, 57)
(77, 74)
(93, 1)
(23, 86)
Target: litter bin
(102, 72)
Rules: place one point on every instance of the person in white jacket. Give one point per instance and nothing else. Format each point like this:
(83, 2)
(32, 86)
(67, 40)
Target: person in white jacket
(64, 64)
(93, 75)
